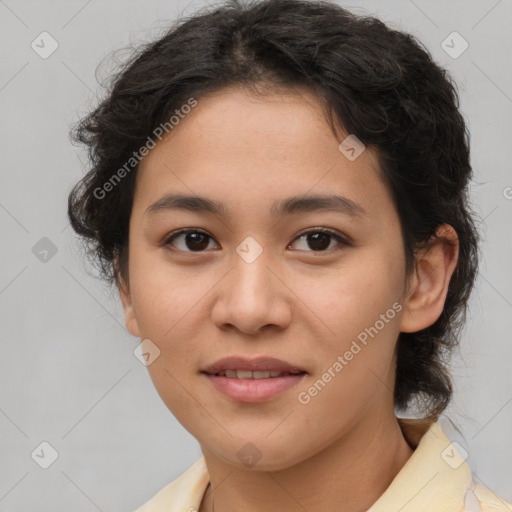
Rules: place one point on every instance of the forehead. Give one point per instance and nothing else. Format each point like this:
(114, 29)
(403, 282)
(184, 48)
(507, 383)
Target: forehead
(257, 148)
(271, 121)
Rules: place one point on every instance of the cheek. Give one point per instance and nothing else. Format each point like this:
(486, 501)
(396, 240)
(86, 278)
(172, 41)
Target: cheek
(163, 295)
(170, 304)
(353, 295)
(361, 307)
(166, 305)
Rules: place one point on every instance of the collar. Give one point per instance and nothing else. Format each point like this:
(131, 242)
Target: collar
(435, 478)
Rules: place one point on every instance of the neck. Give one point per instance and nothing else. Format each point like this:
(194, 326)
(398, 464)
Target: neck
(361, 463)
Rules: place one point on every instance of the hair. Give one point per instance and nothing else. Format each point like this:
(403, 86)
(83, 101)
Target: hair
(379, 84)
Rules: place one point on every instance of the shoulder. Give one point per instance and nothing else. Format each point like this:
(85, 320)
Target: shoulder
(479, 496)
(438, 477)
(182, 494)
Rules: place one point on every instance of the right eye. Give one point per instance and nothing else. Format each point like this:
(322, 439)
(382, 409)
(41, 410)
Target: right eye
(191, 240)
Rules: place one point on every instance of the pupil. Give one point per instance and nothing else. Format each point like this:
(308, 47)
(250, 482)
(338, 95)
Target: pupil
(195, 240)
(319, 240)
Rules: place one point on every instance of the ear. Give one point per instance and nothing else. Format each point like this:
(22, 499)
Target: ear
(129, 314)
(428, 284)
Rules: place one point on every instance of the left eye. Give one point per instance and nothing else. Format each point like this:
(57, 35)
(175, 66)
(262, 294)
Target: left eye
(320, 240)
(194, 240)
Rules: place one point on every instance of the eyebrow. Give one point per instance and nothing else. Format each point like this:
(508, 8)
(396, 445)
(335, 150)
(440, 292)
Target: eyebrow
(288, 206)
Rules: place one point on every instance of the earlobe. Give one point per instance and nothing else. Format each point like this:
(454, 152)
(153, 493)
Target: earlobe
(130, 319)
(429, 283)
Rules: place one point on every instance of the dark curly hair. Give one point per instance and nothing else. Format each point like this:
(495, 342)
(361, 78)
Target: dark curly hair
(377, 83)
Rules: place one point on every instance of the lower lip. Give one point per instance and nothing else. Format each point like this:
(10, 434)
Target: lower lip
(254, 390)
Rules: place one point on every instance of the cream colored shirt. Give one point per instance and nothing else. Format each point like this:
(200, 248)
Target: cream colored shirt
(434, 479)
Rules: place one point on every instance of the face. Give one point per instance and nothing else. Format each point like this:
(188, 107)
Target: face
(304, 284)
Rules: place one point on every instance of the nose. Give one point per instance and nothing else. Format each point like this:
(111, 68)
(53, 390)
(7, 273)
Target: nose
(252, 297)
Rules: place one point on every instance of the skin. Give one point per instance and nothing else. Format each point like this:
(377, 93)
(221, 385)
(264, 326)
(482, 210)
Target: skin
(340, 451)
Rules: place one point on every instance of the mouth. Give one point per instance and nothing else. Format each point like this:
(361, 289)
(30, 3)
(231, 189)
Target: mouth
(254, 390)
(254, 375)
(253, 380)
(262, 367)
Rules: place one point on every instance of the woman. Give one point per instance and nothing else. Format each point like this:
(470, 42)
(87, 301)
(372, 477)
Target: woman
(279, 192)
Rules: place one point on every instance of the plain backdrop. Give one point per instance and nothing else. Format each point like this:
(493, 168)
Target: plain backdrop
(68, 375)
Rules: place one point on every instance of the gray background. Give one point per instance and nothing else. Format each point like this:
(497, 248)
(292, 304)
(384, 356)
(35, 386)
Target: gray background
(68, 375)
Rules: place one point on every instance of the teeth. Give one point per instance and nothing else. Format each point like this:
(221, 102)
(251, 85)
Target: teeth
(260, 375)
(246, 374)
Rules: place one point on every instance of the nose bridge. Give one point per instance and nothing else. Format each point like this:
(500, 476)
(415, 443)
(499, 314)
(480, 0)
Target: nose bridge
(252, 277)
(251, 296)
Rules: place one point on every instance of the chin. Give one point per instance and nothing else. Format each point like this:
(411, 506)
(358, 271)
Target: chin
(260, 454)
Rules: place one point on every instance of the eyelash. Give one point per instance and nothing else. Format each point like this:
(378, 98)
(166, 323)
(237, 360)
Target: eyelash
(334, 234)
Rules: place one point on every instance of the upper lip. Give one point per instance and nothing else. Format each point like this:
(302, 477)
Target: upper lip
(263, 363)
